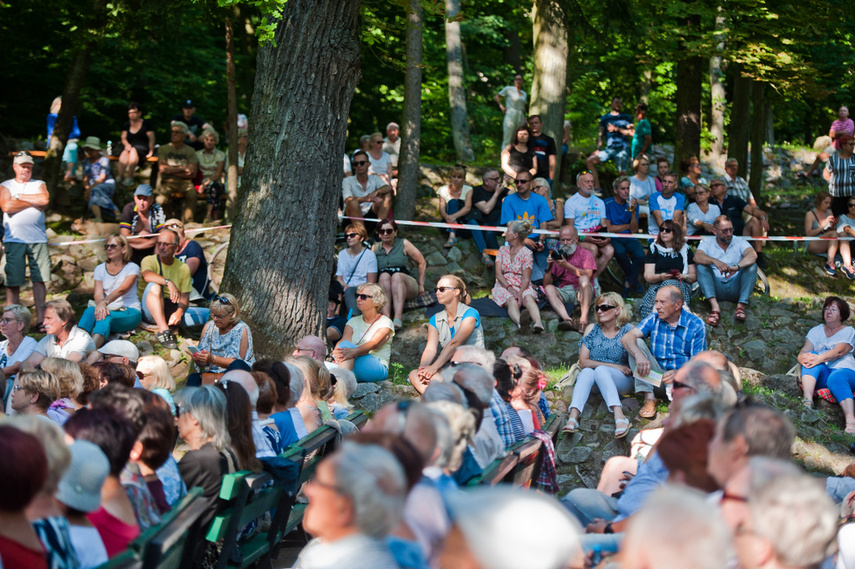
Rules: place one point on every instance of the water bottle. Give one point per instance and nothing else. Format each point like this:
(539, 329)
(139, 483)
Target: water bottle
(109, 148)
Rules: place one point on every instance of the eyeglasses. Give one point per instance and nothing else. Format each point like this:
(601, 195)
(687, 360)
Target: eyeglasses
(385, 231)
(523, 181)
(109, 246)
(851, 205)
(604, 307)
(218, 316)
(18, 387)
(313, 481)
(455, 364)
(360, 162)
(175, 226)
(496, 179)
(177, 411)
(681, 385)
(726, 229)
(166, 244)
(222, 300)
(363, 296)
(5, 321)
(352, 235)
(445, 288)
(666, 230)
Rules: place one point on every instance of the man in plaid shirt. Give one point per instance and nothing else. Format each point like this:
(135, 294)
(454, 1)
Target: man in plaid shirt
(676, 335)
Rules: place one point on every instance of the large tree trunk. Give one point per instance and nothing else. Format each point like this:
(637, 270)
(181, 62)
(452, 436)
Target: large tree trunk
(717, 94)
(456, 90)
(281, 251)
(512, 54)
(550, 70)
(740, 121)
(688, 136)
(408, 173)
(758, 138)
(646, 85)
(231, 118)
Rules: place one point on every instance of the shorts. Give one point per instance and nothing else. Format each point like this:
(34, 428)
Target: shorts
(339, 322)
(567, 293)
(17, 256)
(619, 157)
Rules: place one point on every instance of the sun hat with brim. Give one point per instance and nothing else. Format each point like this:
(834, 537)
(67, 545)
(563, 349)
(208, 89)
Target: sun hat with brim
(121, 348)
(80, 486)
(92, 142)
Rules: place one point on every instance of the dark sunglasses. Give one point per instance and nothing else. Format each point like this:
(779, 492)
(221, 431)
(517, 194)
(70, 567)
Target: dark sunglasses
(360, 162)
(681, 385)
(604, 307)
(455, 364)
(851, 205)
(109, 246)
(666, 230)
(350, 235)
(363, 296)
(23, 153)
(177, 411)
(385, 231)
(445, 288)
(222, 300)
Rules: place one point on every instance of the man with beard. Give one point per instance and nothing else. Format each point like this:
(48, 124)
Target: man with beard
(569, 279)
(727, 269)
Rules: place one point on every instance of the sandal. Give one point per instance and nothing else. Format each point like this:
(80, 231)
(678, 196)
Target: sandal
(567, 326)
(714, 317)
(570, 426)
(487, 260)
(621, 427)
(538, 328)
(452, 241)
(740, 314)
(850, 429)
(807, 403)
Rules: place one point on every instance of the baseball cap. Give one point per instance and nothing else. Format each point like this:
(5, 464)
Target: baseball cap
(80, 486)
(121, 348)
(143, 190)
(23, 157)
(188, 104)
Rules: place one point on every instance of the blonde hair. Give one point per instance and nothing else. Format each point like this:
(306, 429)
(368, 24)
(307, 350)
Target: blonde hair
(211, 132)
(344, 378)
(377, 294)
(68, 375)
(123, 241)
(316, 376)
(41, 382)
(158, 368)
(231, 307)
(53, 442)
(522, 227)
(459, 285)
(624, 313)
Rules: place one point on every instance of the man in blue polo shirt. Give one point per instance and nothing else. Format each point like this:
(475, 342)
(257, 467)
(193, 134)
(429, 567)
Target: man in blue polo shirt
(524, 204)
(676, 335)
(622, 217)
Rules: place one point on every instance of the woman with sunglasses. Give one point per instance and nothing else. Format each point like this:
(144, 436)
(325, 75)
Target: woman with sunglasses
(116, 307)
(356, 264)
(226, 341)
(701, 214)
(393, 262)
(456, 325)
(513, 275)
(604, 361)
(366, 345)
(455, 202)
(670, 262)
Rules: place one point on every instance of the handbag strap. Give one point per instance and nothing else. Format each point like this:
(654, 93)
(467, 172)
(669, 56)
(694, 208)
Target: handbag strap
(356, 266)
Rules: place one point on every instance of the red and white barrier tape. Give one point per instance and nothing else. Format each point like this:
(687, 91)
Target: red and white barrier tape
(129, 237)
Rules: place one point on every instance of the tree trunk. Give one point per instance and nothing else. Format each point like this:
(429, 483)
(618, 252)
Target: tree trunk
(512, 54)
(717, 94)
(281, 250)
(549, 84)
(456, 90)
(758, 138)
(769, 135)
(646, 85)
(231, 118)
(408, 173)
(740, 121)
(688, 136)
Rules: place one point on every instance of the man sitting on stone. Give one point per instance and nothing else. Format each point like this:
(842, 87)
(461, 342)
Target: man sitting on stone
(177, 166)
(733, 207)
(311, 346)
(736, 185)
(587, 213)
(365, 193)
(667, 204)
(676, 335)
(165, 287)
(727, 269)
(568, 279)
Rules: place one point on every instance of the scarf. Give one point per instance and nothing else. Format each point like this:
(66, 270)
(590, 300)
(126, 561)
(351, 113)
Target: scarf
(668, 251)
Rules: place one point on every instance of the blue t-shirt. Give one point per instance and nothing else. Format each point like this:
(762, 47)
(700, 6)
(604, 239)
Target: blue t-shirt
(200, 277)
(642, 131)
(467, 312)
(535, 209)
(95, 169)
(285, 424)
(615, 140)
(619, 214)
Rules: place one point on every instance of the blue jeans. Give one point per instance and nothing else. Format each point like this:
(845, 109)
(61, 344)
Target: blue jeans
(116, 321)
(737, 289)
(630, 256)
(588, 503)
(483, 239)
(841, 383)
(453, 206)
(193, 316)
(367, 368)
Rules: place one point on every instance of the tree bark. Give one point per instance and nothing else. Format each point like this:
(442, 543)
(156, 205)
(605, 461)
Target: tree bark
(758, 138)
(231, 118)
(281, 250)
(456, 90)
(512, 54)
(740, 121)
(646, 85)
(769, 135)
(717, 94)
(688, 135)
(408, 172)
(549, 84)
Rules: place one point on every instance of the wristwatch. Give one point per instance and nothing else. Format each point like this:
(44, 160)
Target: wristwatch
(165, 281)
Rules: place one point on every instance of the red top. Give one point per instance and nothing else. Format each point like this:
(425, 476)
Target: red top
(115, 533)
(13, 554)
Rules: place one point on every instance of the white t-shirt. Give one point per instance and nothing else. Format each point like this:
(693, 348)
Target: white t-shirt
(445, 193)
(694, 213)
(666, 207)
(822, 344)
(351, 188)
(24, 350)
(363, 332)
(78, 341)
(843, 222)
(88, 545)
(393, 149)
(729, 257)
(380, 166)
(642, 190)
(28, 225)
(585, 212)
(110, 283)
(359, 265)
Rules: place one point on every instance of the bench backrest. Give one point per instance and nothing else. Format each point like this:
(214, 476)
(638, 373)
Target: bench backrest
(164, 545)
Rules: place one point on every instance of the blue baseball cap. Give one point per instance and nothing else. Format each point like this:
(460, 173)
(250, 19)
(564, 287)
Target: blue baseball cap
(143, 190)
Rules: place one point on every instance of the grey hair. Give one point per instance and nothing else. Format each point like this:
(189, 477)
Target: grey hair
(21, 314)
(540, 183)
(521, 227)
(374, 481)
(766, 431)
(297, 383)
(678, 528)
(703, 405)
(462, 426)
(444, 437)
(621, 179)
(485, 358)
(476, 379)
(793, 512)
(579, 176)
(444, 390)
(207, 404)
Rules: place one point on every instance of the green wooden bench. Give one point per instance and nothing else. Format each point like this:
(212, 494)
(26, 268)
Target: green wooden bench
(358, 418)
(163, 546)
(128, 559)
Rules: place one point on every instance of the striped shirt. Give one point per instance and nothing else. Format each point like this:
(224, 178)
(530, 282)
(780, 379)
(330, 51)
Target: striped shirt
(673, 347)
(738, 187)
(842, 180)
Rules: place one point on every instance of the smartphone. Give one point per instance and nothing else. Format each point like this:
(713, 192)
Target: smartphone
(192, 349)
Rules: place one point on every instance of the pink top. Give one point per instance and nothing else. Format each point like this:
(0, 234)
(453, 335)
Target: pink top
(843, 126)
(115, 533)
(13, 554)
